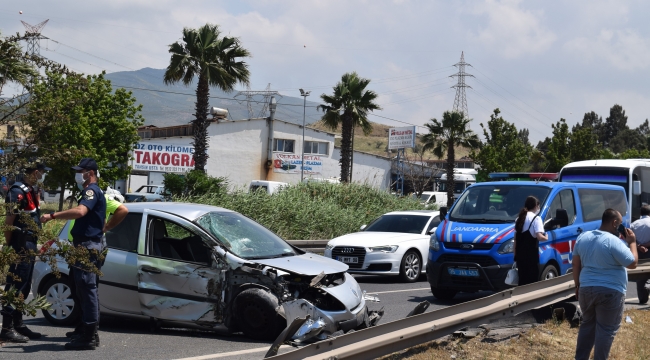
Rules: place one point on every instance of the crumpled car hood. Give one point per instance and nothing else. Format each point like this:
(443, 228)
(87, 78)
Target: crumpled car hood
(305, 264)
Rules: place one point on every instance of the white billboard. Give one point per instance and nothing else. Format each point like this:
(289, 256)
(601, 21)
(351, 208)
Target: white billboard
(401, 137)
(168, 158)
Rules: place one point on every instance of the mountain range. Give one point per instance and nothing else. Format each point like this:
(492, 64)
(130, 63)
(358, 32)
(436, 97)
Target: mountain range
(170, 105)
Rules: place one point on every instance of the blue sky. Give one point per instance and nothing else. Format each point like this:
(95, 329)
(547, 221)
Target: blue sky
(537, 61)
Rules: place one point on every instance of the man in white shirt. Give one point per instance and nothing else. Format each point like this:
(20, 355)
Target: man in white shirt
(641, 230)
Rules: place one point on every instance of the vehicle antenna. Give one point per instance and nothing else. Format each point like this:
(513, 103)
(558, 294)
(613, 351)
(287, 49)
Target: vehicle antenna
(543, 172)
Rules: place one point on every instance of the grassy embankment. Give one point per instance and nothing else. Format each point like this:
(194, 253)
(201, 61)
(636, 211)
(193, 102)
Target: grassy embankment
(312, 211)
(547, 341)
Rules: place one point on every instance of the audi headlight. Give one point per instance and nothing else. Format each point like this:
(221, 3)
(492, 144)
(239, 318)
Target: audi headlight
(433, 242)
(386, 249)
(507, 247)
(329, 246)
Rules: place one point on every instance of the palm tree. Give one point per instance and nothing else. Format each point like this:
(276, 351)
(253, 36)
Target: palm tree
(348, 107)
(215, 60)
(444, 137)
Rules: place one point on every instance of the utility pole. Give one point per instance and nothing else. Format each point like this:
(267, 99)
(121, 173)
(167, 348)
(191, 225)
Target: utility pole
(460, 101)
(249, 95)
(33, 37)
(304, 94)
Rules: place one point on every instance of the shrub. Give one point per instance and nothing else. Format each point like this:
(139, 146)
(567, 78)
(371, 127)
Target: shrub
(311, 210)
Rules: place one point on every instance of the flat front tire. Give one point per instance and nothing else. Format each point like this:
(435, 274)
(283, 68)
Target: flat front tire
(255, 314)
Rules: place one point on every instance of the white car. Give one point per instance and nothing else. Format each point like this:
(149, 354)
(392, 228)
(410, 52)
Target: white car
(396, 243)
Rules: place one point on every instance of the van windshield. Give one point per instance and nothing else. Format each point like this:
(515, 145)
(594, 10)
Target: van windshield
(495, 203)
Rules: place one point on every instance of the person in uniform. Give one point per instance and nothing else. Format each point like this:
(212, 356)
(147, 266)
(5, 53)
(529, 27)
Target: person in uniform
(115, 213)
(90, 216)
(24, 209)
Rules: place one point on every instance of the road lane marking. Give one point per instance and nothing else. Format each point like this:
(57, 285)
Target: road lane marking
(232, 353)
(632, 299)
(395, 291)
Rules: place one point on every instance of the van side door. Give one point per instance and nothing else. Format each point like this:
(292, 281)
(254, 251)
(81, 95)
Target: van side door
(559, 245)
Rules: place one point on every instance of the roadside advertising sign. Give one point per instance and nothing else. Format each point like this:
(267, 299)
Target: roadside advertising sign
(290, 164)
(401, 137)
(163, 157)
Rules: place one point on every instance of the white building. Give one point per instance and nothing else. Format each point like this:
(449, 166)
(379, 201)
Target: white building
(240, 151)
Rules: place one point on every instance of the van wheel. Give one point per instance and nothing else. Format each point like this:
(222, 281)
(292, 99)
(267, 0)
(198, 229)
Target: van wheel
(549, 272)
(255, 315)
(411, 267)
(443, 294)
(64, 310)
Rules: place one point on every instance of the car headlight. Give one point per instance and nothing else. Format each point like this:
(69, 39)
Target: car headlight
(386, 249)
(433, 242)
(329, 246)
(507, 247)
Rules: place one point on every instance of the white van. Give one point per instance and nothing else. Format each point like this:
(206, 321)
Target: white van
(271, 187)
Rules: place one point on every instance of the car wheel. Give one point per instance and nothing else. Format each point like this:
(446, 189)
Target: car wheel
(443, 294)
(64, 310)
(255, 314)
(411, 267)
(549, 272)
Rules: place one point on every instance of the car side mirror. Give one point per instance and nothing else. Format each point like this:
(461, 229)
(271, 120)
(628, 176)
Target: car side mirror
(443, 212)
(431, 231)
(362, 227)
(636, 187)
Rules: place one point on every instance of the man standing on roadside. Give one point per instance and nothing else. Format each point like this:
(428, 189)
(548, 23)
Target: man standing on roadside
(90, 216)
(599, 261)
(23, 222)
(641, 230)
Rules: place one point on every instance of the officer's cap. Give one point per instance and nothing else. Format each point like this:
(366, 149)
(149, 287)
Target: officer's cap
(86, 164)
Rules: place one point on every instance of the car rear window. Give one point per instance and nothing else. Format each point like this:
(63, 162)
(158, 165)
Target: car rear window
(595, 201)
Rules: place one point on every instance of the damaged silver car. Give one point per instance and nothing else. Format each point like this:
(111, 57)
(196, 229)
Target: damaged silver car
(201, 266)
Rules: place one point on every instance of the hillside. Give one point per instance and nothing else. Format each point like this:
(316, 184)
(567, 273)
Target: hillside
(377, 141)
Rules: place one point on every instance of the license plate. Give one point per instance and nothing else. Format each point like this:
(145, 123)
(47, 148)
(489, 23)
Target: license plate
(348, 259)
(462, 272)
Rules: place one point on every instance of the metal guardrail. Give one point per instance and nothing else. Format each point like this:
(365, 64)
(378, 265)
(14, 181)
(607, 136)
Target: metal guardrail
(316, 246)
(405, 333)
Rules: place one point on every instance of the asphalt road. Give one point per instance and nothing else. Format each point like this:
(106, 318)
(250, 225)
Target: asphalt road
(128, 339)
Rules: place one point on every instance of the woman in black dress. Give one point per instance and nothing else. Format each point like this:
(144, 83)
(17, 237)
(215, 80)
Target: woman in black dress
(529, 229)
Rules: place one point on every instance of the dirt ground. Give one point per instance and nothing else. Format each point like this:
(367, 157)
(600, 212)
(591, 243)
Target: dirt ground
(551, 340)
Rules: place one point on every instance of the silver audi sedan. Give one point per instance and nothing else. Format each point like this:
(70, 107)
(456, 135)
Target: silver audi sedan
(203, 266)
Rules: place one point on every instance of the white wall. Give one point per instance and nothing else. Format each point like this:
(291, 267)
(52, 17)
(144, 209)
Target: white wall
(238, 150)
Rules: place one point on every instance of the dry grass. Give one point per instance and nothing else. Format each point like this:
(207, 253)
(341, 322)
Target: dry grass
(547, 341)
(376, 142)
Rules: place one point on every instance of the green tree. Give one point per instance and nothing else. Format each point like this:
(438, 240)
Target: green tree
(614, 124)
(537, 161)
(348, 107)
(13, 66)
(444, 136)
(216, 61)
(628, 139)
(594, 123)
(559, 153)
(583, 144)
(78, 116)
(504, 149)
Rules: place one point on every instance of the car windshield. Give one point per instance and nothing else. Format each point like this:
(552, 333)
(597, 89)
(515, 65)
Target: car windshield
(243, 236)
(495, 203)
(413, 224)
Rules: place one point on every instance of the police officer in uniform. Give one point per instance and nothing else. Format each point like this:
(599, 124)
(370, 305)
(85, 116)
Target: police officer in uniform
(22, 221)
(87, 231)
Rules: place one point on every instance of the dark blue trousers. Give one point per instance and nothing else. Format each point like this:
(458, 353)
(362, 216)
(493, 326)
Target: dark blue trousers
(86, 286)
(20, 277)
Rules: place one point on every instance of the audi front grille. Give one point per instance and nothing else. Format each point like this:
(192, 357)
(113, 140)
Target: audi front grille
(351, 251)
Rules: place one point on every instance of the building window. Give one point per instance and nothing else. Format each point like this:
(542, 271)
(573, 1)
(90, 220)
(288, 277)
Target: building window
(313, 147)
(283, 145)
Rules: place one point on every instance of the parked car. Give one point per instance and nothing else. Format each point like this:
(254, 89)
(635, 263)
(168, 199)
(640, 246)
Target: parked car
(147, 193)
(472, 249)
(429, 198)
(53, 196)
(270, 187)
(396, 243)
(208, 267)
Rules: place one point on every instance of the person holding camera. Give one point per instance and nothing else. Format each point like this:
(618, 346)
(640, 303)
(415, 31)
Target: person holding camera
(599, 261)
